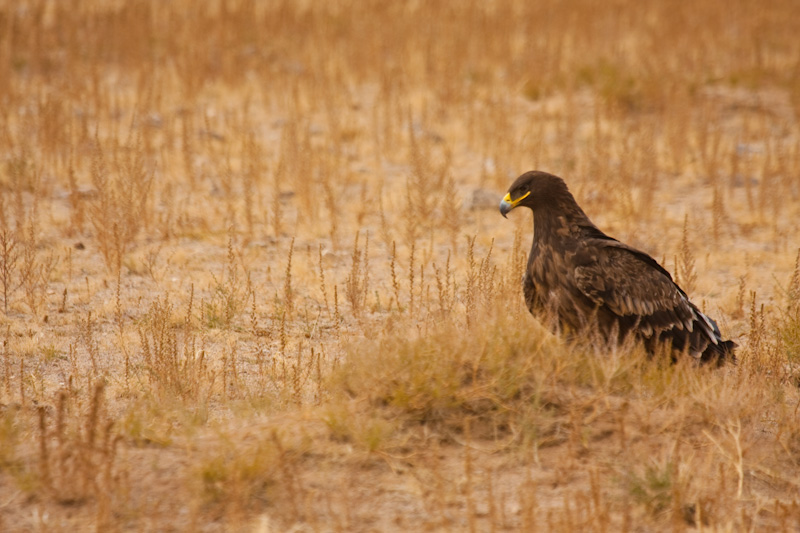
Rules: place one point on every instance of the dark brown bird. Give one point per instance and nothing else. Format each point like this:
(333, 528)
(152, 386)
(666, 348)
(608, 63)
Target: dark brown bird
(579, 279)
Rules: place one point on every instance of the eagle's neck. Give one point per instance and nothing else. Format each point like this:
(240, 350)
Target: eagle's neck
(561, 222)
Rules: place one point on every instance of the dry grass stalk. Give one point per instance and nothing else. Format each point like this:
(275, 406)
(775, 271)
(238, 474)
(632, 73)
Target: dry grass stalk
(685, 273)
(395, 284)
(81, 465)
(121, 206)
(288, 292)
(411, 280)
(9, 255)
(357, 282)
(322, 286)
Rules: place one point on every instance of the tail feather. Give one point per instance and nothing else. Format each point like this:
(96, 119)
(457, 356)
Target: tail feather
(717, 351)
(720, 353)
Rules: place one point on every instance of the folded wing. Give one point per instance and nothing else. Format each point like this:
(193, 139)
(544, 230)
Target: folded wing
(631, 286)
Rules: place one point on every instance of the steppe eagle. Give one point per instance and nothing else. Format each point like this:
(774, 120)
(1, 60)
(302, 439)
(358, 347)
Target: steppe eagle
(580, 280)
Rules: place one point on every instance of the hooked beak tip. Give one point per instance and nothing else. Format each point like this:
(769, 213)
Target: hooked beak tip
(505, 207)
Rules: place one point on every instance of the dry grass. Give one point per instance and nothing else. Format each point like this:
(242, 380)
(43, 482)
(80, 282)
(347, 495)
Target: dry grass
(253, 276)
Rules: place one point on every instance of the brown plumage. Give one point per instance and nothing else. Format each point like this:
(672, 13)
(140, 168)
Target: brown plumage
(579, 278)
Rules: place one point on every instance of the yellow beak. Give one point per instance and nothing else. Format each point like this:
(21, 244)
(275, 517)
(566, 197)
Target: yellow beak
(507, 204)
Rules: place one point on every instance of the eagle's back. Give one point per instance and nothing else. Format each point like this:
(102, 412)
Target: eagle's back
(594, 281)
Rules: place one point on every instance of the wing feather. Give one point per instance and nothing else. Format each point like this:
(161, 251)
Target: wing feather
(631, 284)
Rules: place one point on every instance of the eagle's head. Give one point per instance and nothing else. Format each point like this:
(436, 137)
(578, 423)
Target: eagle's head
(533, 189)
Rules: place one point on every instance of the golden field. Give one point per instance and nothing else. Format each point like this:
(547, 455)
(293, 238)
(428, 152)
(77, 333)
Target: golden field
(253, 276)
